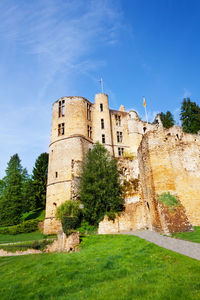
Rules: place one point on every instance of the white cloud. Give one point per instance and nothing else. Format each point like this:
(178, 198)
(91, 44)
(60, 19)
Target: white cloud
(59, 37)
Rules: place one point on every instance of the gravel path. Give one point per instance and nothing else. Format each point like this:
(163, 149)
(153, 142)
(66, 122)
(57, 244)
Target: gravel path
(183, 247)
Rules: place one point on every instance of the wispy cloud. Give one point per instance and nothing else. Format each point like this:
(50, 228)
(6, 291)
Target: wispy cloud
(60, 33)
(60, 38)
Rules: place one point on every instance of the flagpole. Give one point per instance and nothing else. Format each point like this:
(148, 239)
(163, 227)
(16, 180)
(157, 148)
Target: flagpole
(101, 84)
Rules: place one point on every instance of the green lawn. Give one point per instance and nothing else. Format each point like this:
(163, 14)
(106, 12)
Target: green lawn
(106, 267)
(33, 236)
(190, 236)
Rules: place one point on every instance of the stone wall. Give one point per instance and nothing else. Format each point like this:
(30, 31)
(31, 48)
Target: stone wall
(169, 161)
(133, 217)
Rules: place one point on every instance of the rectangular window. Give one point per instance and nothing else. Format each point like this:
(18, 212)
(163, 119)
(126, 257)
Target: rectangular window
(121, 151)
(61, 129)
(56, 174)
(89, 112)
(101, 107)
(118, 120)
(103, 139)
(102, 123)
(89, 131)
(61, 108)
(119, 137)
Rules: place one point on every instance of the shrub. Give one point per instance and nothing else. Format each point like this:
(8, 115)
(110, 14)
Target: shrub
(168, 199)
(24, 227)
(85, 228)
(70, 215)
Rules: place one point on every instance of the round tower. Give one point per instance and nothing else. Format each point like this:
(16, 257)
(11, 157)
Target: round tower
(102, 122)
(70, 139)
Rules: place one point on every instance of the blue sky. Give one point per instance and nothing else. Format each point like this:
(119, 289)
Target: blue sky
(55, 48)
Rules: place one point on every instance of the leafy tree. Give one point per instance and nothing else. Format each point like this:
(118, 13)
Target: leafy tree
(12, 199)
(39, 181)
(99, 188)
(190, 116)
(167, 119)
(2, 186)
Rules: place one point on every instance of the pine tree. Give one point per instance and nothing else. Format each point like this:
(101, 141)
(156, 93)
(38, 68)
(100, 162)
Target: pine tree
(39, 180)
(99, 189)
(12, 199)
(190, 116)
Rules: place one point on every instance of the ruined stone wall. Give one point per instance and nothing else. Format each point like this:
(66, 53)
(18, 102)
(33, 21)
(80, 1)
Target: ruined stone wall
(170, 162)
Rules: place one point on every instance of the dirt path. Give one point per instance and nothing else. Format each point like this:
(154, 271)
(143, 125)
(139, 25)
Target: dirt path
(181, 246)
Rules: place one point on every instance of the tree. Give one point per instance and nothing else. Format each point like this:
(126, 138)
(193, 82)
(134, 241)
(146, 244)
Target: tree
(99, 188)
(12, 199)
(39, 180)
(190, 116)
(167, 119)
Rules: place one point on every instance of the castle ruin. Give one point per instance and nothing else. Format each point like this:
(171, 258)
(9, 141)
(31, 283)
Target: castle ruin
(151, 160)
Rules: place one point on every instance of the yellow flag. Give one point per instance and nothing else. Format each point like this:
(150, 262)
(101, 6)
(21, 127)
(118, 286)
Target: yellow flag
(144, 103)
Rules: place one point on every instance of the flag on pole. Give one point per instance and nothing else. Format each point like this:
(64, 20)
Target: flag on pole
(144, 102)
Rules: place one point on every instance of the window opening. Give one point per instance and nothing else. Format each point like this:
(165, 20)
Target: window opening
(61, 108)
(56, 174)
(144, 129)
(89, 131)
(101, 107)
(118, 120)
(89, 112)
(103, 139)
(102, 123)
(121, 151)
(119, 137)
(61, 129)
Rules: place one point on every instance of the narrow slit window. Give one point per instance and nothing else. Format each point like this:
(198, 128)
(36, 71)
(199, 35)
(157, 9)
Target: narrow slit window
(56, 174)
(61, 108)
(103, 139)
(102, 123)
(89, 112)
(89, 131)
(101, 107)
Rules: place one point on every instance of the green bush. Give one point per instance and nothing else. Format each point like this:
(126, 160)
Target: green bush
(24, 227)
(85, 228)
(70, 215)
(168, 199)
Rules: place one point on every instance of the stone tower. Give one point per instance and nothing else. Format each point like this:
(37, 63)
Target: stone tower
(76, 125)
(70, 140)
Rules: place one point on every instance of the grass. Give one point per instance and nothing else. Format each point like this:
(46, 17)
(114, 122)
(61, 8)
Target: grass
(23, 246)
(168, 199)
(107, 267)
(33, 236)
(190, 236)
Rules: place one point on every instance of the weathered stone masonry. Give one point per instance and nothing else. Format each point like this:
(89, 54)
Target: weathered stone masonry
(151, 160)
